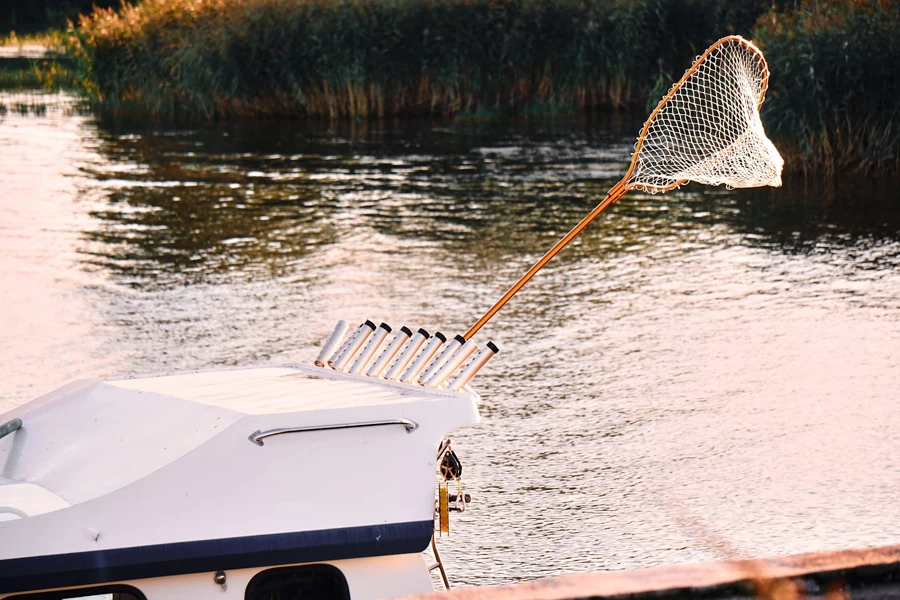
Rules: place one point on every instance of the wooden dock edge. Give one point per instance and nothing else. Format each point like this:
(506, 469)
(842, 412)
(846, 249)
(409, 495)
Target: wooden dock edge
(872, 573)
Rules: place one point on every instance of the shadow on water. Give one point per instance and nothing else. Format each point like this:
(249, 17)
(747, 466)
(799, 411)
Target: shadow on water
(807, 213)
(200, 202)
(203, 200)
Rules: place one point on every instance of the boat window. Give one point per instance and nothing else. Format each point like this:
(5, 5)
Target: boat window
(319, 582)
(106, 592)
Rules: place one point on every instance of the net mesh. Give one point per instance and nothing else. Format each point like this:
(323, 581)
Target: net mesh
(707, 129)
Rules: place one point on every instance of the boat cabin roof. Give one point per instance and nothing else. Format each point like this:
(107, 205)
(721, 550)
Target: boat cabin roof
(270, 390)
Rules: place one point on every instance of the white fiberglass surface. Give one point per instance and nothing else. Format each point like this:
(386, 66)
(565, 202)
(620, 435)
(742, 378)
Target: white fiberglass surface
(271, 390)
(22, 500)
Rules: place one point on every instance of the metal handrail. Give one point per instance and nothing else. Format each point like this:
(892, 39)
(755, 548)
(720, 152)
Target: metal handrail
(9, 427)
(258, 436)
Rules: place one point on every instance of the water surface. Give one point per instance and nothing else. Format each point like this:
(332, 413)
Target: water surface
(701, 374)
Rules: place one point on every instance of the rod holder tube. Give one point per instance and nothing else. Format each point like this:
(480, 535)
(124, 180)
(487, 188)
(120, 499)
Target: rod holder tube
(347, 341)
(333, 341)
(442, 357)
(451, 364)
(409, 375)
(475, 365)
(355, 343)
(390, 352)
(366, 354)
(409, 351)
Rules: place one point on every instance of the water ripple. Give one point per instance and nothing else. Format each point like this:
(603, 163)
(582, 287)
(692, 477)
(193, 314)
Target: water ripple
(706, 356)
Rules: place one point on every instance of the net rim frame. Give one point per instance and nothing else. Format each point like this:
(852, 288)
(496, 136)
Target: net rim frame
(628, 185)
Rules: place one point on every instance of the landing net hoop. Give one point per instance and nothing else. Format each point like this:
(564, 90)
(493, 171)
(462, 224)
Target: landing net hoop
(705, 129)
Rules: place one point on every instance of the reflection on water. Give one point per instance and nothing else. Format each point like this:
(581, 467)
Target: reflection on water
(191, 205)
(730, 357)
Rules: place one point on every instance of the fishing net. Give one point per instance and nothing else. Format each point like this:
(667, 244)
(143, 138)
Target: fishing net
(707, 128)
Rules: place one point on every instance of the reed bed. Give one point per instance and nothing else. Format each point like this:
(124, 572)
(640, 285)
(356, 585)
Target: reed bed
(37, 74)
(835, 87)
(359, 58)
(832, 104)
(50, 38)
(19, 79)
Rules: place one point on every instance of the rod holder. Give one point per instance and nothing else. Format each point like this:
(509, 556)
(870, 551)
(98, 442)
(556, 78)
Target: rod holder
(475, 365)
(409, 351)
(446, 352)
(409, 375)
(366, 354)
(451, 364)
(333, 341)
(353, 345)
(390, 352)
(334, 356)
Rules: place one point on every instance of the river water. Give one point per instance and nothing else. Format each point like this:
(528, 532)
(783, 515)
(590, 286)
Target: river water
(702, 374)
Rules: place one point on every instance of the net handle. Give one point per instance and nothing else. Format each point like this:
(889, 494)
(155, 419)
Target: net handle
(624, 185)
(612, 196)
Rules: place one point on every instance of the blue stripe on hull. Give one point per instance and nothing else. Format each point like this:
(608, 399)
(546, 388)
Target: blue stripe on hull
(104, 566)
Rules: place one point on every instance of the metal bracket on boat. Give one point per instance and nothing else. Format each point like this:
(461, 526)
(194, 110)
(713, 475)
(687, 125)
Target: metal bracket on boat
(449, 466)
(258, 436)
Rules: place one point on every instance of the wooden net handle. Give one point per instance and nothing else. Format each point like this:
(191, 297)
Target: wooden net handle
(612, 196)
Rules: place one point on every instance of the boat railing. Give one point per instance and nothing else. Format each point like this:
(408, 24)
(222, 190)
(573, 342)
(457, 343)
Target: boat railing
(258, 436)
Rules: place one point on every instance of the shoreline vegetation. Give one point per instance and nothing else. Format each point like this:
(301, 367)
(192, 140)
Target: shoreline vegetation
(831, 107)
(35, 61)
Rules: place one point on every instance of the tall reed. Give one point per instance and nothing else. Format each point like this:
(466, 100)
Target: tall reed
(834, 102)
(370, 57)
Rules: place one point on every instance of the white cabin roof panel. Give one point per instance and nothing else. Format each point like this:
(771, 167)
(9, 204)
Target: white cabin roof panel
(272, 390)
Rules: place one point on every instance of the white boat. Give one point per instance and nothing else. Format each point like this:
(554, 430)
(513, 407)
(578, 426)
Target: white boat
(303, 480)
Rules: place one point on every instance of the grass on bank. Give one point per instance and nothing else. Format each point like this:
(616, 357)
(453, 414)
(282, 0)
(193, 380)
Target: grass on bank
(18, 72)
(835, 84)
(38, 74)
(53, 72)
(360, 58)
(20, 79)
(51, 38)
(832, 104)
